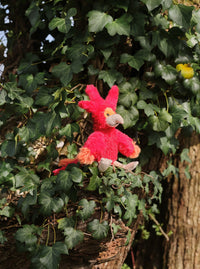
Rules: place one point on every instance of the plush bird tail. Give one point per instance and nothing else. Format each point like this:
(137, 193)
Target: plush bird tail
(64, 163)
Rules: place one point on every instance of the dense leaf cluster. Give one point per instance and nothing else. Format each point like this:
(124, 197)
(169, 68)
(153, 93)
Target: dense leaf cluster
(134, 44)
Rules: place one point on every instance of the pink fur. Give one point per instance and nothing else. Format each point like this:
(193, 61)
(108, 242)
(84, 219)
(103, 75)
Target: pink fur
(105, 141)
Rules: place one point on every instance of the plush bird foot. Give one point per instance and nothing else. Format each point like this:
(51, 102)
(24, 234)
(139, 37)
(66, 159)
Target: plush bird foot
(131, 166)
(104, 163)
(128, 167)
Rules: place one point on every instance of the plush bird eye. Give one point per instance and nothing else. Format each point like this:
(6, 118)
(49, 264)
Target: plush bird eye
(108, 112)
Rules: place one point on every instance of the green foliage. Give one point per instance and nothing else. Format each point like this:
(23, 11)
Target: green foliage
(134, 44)
(98, 230)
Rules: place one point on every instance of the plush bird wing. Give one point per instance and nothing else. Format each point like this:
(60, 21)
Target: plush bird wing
(127, 146)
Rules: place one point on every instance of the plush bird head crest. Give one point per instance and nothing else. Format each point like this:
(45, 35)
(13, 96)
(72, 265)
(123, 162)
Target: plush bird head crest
(101, 108)
(97, 101)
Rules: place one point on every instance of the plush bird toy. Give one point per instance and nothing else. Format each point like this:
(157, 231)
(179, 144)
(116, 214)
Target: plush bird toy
(106, 141)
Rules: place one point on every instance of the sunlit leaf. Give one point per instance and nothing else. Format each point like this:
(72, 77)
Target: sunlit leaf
(98, 20)
(152, 4)
(98, 230)
(184, 156)
(65, 222)
(181, 14)
(58, 23)
(120, 26)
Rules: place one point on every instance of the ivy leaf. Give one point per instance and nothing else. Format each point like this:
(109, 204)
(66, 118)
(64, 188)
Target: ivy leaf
(115, 228)
(71, 151)
(138, 23)
(33, 13)
(87, 208)
(165, 145)
(128, 99)
(160, 20)
(178, 114)
(106, 53)
(58, 23)
(98, 230)
(109, 76)
(95, 181)
(161, 122)
(136, 60)
(30, 199)
(76, 174)
(184, 156)
(166, 4)
(12, 90)
(167, 72)
(131, 202)
(69, 130)
(68, 20)
(40, 124)
(148, 108)
(44, 97)
(196, 19)
(28, 82)
(118, 210)
(192, 84)
(152, 4)
(64, 72)
(187, 172)
(8, 148)
(7, 211)
(72, 237)
(130, 116)
(26, 179)
(65, 222)
(181, 15)
(165, 116)
(49, 257)
(3, 239)
(28, 234)
(136, 182)
(170, 169)
(49, 204)
(64, 181)
(120, 26)
(3, 95)
(98, 20)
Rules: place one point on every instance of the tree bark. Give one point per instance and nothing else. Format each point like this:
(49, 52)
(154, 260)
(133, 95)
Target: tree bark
(183, 249)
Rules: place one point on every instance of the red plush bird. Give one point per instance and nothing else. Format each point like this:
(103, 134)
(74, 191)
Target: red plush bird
(106, 141)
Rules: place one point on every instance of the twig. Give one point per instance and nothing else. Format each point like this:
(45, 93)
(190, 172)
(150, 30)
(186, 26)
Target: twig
(133, 258)
(111, 229)
(78, 85)
(11, 226)
(159, 226)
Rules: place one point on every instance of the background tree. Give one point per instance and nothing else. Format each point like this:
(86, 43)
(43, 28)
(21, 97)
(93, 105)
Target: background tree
(54, 49)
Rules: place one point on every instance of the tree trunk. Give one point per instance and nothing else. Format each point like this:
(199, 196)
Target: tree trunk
(183, 249)
(179, 212)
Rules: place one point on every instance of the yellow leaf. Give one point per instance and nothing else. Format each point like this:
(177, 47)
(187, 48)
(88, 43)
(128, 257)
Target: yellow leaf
(186, 70)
